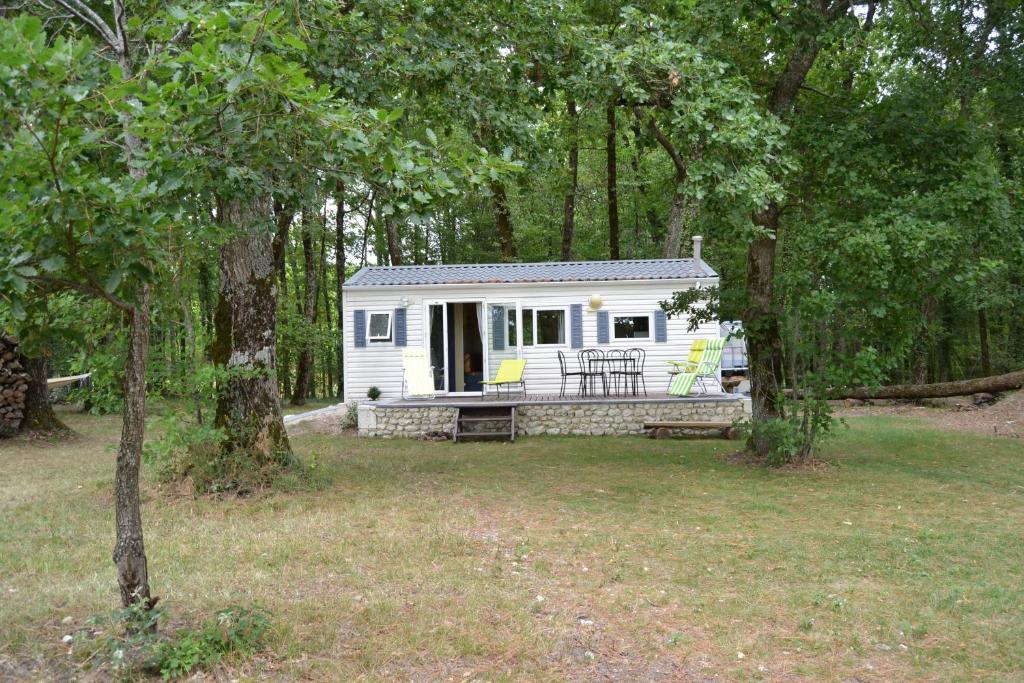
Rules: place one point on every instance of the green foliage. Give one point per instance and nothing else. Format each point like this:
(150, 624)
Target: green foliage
(185, 449)
(794, 437)
(131, 642)
(898, 169)
(373, 393)
(103, 394)
(699, 305)
(237, 631)
(203, 455)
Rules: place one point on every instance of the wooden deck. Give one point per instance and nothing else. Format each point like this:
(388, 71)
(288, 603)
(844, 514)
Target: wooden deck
(533, 399)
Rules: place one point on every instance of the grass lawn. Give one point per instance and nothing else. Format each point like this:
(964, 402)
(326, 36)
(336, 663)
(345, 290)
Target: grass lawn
(556, 558)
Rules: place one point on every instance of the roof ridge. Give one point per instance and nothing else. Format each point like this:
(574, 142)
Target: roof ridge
(520, 264)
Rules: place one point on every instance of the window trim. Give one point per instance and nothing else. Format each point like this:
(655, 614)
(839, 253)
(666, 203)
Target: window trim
(371, 339)
(533, 327)
(650, 327)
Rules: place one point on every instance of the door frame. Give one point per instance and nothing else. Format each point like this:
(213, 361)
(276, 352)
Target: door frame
(484, 341)
(504, 301)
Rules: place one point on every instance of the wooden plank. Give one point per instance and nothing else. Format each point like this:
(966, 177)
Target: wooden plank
(56, 382)
(687, 425)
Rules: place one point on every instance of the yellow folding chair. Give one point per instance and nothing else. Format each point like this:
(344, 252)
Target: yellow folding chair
(510, 372)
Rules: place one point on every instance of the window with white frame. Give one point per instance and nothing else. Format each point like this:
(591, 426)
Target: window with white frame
(632, 326)
(544, 326)
(510, 327)
(379, 329)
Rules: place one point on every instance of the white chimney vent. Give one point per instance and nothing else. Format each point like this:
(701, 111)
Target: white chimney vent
(697, 239)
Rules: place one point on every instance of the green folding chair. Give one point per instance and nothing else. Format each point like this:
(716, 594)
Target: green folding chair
(707, 368)
(682, 384)
(704, 371)
(688, 365)
(510, 372)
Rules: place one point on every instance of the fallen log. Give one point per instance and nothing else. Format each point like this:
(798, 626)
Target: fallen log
(965, 387)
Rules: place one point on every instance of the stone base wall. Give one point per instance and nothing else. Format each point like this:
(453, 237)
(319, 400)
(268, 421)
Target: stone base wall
(591, 419)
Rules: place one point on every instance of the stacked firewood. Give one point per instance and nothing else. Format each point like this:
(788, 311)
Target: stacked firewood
(13, 384)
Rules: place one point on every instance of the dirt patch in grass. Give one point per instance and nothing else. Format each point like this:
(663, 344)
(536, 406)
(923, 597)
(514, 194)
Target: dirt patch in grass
(752, 459)
(1004, 417)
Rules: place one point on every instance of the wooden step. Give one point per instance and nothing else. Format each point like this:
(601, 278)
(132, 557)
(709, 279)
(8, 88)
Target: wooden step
(485, 423)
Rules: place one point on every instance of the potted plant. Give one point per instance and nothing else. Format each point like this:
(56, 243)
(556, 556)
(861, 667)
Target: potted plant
(373, 393)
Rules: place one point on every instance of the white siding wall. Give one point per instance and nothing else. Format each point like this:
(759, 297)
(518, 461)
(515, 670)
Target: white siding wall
(381, 364)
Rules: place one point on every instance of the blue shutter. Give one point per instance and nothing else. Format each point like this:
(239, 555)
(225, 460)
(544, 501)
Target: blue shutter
(498, 327)
(660, 326)
(576, 325)
(602, 327)
(359, 328)
(400, 335)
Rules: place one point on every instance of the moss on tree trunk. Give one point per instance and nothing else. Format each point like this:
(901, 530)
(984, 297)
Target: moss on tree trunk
(248, 403)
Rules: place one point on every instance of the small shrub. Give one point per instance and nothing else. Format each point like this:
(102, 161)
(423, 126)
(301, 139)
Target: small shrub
(351, 419)
(131, 644)
(236, 630)
(373, 393)
(181, 447)
(794, 437)
(204, 454)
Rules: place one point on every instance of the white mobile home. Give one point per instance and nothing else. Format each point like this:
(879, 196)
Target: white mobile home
(468, 318)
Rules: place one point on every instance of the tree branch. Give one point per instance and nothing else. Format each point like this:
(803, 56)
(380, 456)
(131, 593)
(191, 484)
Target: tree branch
(122, 36)
(90, 289)
(85, 14)
(663, 140)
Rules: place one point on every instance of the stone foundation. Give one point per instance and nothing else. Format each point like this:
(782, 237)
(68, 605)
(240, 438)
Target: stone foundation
(582, 418)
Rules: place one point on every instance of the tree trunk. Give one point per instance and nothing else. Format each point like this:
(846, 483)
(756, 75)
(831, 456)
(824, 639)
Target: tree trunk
(129, 548)
(206, 305)
(503, 221)
(675, 225)
(190, 349)
(325, 292)
(924, 341)
(248, 403)
(38, 414)
(283, 217)
(1011, 381)
(394, 246)
(761, 324)
(304, 373)
(339, 276)
(569, 208)
(611, 141)
(640, 196)
(983, 343)
(760, 320)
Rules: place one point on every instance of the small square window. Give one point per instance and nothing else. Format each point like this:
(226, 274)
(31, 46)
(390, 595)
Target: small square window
(380, 327)
(632, 327)
(551, 327)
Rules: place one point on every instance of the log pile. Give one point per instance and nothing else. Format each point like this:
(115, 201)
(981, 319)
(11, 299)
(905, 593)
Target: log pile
(13, 385)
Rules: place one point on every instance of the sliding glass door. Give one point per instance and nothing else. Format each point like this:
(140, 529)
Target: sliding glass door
(502, 335)
(437, 335)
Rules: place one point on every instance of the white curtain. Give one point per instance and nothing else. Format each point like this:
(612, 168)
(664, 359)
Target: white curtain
(480, 322)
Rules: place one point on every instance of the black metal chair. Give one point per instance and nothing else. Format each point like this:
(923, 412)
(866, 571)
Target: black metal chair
(563, 367)
(592, 367)
(631, 370)
(615, 362)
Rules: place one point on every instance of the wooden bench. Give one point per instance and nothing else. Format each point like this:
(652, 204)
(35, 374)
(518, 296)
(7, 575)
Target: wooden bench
(663, 430)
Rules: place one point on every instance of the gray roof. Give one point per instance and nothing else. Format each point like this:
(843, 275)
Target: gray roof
(501, 273)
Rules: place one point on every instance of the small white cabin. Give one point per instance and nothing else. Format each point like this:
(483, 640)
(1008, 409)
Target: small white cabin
(470, 317)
